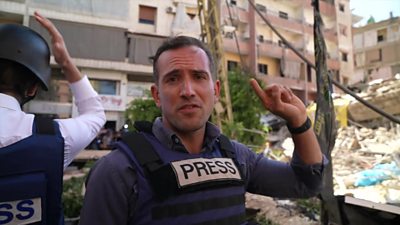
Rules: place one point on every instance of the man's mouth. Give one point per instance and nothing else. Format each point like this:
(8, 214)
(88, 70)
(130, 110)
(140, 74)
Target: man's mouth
(188, 107)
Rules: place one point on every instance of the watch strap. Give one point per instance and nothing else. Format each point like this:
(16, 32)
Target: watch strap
(303, 128)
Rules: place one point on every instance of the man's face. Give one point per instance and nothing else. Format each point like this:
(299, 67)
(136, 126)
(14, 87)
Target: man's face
(185, 91)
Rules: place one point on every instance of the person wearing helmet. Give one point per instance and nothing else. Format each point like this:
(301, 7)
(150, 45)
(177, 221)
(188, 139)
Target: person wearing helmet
(34, 151)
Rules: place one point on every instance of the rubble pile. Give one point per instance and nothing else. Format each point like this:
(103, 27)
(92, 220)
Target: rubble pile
(384, 94)
(278, 212)
(366, 163)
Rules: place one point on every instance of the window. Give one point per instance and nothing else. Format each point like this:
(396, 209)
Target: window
(147, 14)
(345, 80)
(263, 68)
(381, 35)
(105, 87)
(233, 2)
(341, 7)
(261, 8)
(283, 15)
(261, 38)
(191, 16)
(337, 77)
(309, 73)
(232, 65)
(344, 57)
(191, 12)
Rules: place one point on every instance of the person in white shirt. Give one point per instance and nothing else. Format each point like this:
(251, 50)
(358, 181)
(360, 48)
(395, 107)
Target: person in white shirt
(32, 156)
(77, 132)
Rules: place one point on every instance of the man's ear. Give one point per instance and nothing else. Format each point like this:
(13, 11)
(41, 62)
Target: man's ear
(32, 90)
(155, 94)
(217, 89)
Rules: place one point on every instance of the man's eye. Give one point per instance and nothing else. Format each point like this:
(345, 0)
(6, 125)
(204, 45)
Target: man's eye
(171, 79)
(201, 76)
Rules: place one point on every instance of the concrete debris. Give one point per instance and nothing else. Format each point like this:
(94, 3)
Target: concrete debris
(384, 94)
(279, 212)
(356, 150)
(361, 153)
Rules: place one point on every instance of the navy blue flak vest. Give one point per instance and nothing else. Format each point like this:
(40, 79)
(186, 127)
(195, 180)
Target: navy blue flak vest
(31, 172)
(180, 188)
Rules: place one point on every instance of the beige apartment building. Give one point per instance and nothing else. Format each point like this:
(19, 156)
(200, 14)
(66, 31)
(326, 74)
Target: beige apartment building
(267, 56)
(377, 50)
(112, 42)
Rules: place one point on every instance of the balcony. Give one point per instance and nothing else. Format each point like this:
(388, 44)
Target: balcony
(230, 45)
(270, 49)
(267, 48)
(282, 21)
(329, 34)
(238, 14)
(332, 62)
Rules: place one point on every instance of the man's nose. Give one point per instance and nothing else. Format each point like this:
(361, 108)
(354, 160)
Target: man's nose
(187, 88)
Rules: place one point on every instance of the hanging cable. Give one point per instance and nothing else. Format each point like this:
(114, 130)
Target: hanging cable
(234, 35)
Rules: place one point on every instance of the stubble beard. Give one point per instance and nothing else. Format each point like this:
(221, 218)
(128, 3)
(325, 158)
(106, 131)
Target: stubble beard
(187, 126)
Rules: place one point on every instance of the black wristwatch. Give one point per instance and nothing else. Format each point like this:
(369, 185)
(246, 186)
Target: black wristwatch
(303, 128)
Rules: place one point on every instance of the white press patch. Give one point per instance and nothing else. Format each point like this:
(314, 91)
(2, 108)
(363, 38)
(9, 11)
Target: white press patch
(199, 170)
(21, 212)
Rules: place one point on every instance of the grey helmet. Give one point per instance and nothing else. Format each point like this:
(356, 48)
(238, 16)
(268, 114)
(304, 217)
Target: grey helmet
(26, 47)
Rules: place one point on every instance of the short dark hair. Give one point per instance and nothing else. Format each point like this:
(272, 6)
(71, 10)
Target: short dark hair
(15, 77)
(179, 42)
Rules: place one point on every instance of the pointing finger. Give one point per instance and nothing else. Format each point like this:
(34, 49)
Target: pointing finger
(256, 87)
(262, 95)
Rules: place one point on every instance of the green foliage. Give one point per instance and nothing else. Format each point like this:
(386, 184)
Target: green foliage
(310, 206)
(141, 110)
(234, 130)
(247, 111)
(264, 221)
(72, 197)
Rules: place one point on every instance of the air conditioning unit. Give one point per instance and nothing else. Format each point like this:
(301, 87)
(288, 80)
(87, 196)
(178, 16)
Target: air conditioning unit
(246, 35)
(170, 10)
(227, 28)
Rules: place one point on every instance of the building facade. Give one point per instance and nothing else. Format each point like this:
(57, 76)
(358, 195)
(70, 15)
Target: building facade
(264, 53)
(112, 42)
(377, 50)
